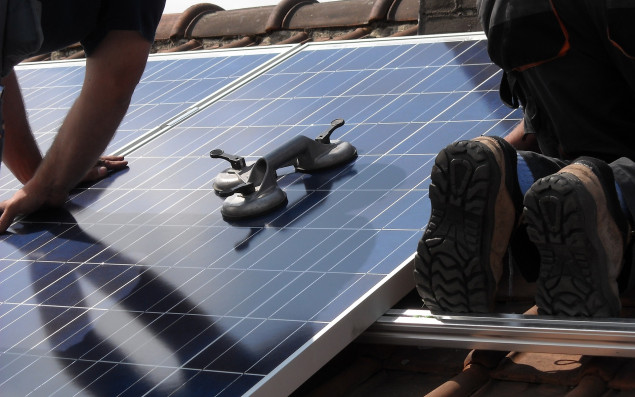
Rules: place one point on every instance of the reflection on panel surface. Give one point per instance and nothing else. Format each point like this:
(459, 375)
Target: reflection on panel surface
(139, 286)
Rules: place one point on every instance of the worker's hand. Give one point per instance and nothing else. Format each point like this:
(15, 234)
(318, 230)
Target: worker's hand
(105, 165)
(25, 202)
(33, 197)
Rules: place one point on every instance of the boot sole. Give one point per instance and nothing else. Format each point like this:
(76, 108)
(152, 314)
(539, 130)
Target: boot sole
(563, 224)
(452, 265)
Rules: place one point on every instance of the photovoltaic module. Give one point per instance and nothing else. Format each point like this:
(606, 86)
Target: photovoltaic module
(140, 287)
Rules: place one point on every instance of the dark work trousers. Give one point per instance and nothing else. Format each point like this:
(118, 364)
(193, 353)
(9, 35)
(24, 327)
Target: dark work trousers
(571, 66)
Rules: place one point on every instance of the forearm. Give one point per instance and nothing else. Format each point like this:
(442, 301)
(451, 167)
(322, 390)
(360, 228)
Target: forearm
(521, 141)
(82, 138)
(21, 153)
(112, 74)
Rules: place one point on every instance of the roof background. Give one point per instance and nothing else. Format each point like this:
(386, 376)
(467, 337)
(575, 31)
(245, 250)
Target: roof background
(177, 6)
(209, 26)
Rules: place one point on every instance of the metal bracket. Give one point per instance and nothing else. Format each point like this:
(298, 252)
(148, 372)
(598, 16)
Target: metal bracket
(253, 190)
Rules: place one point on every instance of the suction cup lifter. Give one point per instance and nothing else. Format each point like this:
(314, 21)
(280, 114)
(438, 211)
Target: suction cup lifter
(253, 190)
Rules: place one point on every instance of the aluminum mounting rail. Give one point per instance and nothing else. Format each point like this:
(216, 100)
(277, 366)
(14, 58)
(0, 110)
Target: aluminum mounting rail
(507, 332)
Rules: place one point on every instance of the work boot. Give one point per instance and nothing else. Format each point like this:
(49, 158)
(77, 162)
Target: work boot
(575, 220)
(475, 204)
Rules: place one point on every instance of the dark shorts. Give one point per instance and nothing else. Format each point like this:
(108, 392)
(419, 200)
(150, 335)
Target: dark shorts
(65, 22)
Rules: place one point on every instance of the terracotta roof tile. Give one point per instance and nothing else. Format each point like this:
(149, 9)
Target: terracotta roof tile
(283, 9)
(340, 20)
(406, 32)
(403, 10)
(624, 379)
(355, 34)
(243, 22)
(360, 369)
(188, 46)
(180, 26)
(606, 368)
(486, 358)
(39, 58)
(297, 21)
(465, 384)
(335, 14)
(506, 389)
(562, 369)
(589, 386)
(164, 30)
(297, 38)
(244, 42)
(431, 360)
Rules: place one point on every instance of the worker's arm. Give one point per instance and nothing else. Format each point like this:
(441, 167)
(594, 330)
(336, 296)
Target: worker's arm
(520, 141)
(23, 155)
(112, 74)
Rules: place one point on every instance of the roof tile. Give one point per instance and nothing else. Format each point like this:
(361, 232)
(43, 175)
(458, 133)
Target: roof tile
(164, 30)
(301, 37)
(559, 369)
(244, 42)
(431, 360)
(486, 358)
(188, 46)
(334, 14)
(244, 22)
(380, 9)
(624, 379)
(589, 386)
(464, 384)
(403, 10)
(179, 27)
(506, 389)
(355, 34)
(298, 21)
(282, 10)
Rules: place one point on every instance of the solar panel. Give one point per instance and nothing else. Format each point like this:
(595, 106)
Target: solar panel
(169, 86)
(140, 287)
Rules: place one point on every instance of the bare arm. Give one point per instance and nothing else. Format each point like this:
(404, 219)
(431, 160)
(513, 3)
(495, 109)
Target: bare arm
(21, 154)
(520, 141)
(112, 74)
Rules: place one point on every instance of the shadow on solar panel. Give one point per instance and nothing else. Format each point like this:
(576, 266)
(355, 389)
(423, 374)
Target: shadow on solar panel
(148, 322)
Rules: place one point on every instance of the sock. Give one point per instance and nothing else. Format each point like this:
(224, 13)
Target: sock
(525, 177)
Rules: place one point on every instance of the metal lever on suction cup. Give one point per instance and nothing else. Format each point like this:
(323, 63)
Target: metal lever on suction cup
(326, 135)
(236, 162)
(305, 154)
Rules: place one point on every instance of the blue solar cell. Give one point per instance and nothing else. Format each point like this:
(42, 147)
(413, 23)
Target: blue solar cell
(141, 279)
(169, 89)
(436, 135)
(168, 86)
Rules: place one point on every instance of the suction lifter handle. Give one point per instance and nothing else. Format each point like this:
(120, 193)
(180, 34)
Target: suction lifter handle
(325, 136)
(237, 162)
(243, 188)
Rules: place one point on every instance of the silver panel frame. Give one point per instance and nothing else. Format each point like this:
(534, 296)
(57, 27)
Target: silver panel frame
(507, 332)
